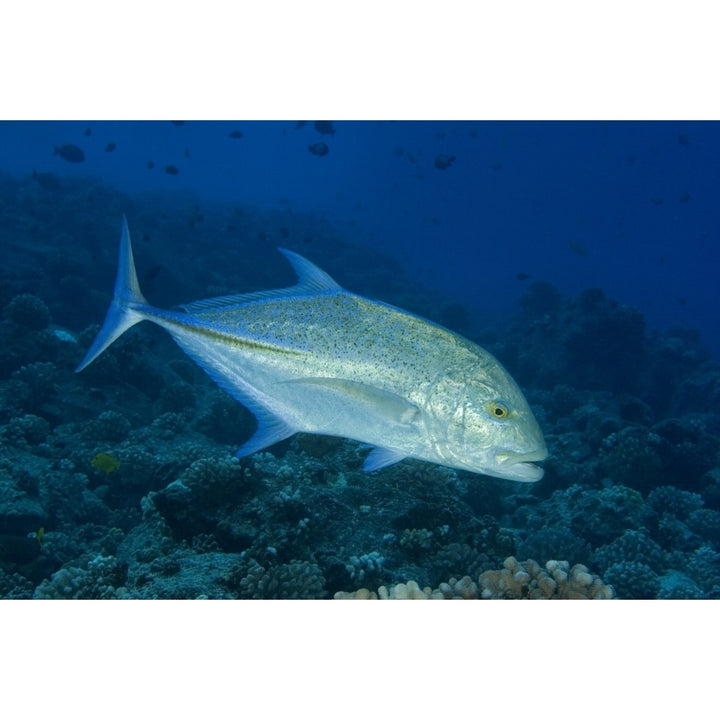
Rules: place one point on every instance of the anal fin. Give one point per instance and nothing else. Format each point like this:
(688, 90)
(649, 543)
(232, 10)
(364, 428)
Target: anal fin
(271, 430)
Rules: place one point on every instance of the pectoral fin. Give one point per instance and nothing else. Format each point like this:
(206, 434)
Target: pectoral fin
(383, 403)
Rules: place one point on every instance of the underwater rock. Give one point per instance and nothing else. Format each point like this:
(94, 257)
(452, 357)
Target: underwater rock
(47, 181)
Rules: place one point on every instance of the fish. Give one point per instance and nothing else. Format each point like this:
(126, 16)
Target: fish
(443, 162)
(316, 358)
(236, 134)
(319, 149)
(71, 153)
(578, 248)
(110, 147)
(171, 170)
(324, 127)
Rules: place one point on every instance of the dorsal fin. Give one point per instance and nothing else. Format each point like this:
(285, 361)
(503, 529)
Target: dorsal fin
(310, 276)
(310, 279)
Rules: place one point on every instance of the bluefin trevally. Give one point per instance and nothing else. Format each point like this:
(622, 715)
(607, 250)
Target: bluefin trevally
(316, 358)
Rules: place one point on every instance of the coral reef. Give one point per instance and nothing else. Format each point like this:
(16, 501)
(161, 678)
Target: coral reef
(633, 580)
(28, 312)
(514, 581)
(121, 482)
(293, 581)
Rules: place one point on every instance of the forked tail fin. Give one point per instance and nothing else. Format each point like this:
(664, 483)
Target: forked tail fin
(122, 313)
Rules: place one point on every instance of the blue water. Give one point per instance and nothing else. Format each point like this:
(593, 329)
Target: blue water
(583, 255)
(630, 207)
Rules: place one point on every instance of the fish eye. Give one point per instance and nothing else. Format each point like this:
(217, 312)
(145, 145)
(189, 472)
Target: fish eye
(498, 411)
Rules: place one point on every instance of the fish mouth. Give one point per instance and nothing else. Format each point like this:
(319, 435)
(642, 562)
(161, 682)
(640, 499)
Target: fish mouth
(519, 466)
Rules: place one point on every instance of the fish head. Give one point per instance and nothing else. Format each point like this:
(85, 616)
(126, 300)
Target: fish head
(489, 427)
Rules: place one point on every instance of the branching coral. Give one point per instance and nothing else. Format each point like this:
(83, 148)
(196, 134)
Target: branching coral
(516, 580)
(529, 580)
(100, 578)
(294, 580)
